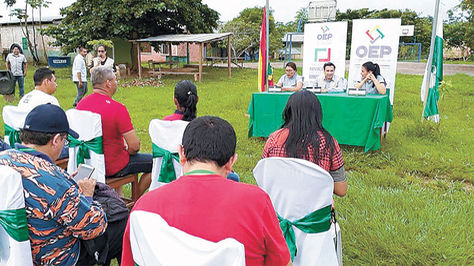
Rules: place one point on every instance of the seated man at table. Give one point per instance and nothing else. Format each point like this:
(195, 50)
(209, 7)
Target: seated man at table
(291, 81)
(328, 81)
(205, 204)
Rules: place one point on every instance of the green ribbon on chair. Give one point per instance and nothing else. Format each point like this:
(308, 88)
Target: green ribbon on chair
(167, 173)
(315, 222)
(85, 147)
(13, 135)
(15, 223)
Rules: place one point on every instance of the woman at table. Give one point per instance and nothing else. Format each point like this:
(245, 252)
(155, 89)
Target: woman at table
(372, 81)
(291, 81)
(185, 99)
(303, 136)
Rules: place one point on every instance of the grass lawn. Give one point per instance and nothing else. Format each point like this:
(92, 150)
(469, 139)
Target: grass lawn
(411, 202)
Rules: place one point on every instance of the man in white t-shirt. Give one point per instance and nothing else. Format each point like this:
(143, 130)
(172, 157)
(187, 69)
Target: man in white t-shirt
(45, 86)
(79, 74)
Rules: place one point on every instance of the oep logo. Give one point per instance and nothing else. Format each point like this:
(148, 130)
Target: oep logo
(325, 35)
(374, 51)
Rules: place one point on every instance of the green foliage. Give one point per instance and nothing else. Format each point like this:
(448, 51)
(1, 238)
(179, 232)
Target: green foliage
(409, 17)
(408, 203)
(86, 20)
(246, 29)
(95, 43)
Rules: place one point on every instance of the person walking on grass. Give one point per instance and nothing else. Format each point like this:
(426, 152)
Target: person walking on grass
(79, 74)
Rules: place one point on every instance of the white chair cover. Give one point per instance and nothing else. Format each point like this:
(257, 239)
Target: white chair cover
(12, 252)
(298, 187)
(13, 117)
(166, 135)
(89, 126)
(154, 243)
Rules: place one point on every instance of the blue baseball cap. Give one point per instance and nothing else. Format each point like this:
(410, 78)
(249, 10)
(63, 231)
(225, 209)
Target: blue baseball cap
(48, 118)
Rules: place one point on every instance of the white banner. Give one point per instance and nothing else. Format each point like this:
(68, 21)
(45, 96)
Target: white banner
(323, 42)
(375, 40)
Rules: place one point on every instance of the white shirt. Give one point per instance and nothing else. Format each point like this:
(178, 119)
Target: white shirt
(79, 65)
(35, 98)
(336, 84)
(16, 63)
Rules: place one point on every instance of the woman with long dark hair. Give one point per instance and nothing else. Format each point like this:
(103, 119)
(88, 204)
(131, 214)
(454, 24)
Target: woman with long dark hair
(372, 81)
(185, 99)
(303, 136)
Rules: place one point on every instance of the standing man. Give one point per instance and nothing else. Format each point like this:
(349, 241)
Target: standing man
(17, 64)
(120, 142)
(45, 86)
(79, 74)
(328, 81)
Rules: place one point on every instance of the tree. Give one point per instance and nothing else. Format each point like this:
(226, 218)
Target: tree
(246, 29)
(86, 20)
(468, 6)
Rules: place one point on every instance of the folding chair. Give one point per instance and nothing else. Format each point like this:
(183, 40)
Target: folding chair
(14, 119)
(15, 246)
(154, 242)
(165, 137)
(88, 149)
(301, 192)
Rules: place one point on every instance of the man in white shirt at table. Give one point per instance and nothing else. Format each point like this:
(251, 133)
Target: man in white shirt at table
(328, 81)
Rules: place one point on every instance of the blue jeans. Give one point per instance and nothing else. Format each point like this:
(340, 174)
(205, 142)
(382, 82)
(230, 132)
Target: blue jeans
(81, 91)
(21, 81)
(138, 163)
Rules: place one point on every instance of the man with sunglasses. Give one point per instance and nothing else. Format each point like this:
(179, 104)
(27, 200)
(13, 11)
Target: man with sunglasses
(45, 86)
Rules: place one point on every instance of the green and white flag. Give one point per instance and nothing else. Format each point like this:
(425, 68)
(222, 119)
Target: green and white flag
(436, 71)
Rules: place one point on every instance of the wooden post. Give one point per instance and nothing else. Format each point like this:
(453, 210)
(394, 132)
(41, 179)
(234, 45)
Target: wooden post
(171, 55)
(139, 61)
(228, 56)
(200, 62)
(187, 53)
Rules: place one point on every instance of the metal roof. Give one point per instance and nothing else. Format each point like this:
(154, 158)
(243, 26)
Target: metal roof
(15, 21)
(180, 38)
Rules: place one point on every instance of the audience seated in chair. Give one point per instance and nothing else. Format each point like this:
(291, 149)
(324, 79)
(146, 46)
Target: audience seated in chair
(303, 136)
(120, 159)
(205, 204)
(61, 213)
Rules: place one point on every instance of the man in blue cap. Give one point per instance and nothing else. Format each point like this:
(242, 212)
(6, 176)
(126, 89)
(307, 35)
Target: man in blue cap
(60, 212)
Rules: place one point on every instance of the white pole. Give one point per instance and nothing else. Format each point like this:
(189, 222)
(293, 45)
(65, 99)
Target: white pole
(430, 58)
(268, 38)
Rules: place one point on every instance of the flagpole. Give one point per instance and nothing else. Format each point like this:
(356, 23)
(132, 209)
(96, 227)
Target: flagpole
(430, 58)
(267, 26)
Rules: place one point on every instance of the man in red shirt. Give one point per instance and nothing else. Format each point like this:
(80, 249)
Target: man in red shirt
(121, 158)
(205, 204)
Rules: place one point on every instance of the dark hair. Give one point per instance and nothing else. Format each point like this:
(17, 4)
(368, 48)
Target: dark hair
(328, 64)
(42, 74)
(82, 48)
(101, 45)
(372, 67)
(37, 138)
(303, 118)
(209, 139)
(185, 93)
(291, 64)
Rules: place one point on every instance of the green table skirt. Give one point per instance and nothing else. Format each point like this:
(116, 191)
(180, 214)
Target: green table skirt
(352, 120)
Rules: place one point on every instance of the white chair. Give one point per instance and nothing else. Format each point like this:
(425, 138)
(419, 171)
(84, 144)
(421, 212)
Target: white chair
(297, 188)
(89, 127)
(15, 246)
(154, 242)
(165, 136)
(14, 119)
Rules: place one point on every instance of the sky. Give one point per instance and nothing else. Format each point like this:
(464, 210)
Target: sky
(284, 10)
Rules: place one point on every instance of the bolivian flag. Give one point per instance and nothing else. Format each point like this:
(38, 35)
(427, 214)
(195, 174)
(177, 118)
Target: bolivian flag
(262, 55)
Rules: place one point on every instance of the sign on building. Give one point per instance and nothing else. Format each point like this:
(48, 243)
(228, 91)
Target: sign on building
(323, 42)
(375, 40)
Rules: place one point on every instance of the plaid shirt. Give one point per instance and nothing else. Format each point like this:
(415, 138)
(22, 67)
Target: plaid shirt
(57, 212)
(275, 147)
